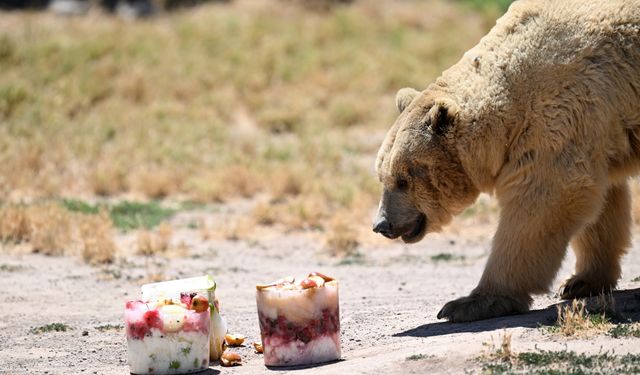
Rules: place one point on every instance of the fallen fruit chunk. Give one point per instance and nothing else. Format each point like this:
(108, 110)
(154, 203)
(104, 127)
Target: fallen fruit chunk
(234, 339)
(229, 359)
(258, 346)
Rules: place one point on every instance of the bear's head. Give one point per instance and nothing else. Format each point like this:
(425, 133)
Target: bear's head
(424, 182)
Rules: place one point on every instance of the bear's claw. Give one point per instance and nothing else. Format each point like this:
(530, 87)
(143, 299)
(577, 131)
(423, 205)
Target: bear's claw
(477, 307)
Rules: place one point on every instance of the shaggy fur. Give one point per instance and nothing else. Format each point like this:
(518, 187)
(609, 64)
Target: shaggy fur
(545, 113)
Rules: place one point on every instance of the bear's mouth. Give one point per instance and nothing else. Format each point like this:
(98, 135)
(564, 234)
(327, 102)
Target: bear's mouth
(418, 230)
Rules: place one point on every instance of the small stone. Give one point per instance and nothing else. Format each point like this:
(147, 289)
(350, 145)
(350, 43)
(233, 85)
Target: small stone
(85, 333)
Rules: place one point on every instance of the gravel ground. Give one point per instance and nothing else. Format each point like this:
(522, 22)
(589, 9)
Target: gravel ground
(389, 300)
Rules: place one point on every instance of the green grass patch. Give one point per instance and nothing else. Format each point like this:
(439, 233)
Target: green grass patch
(564, 362)
(10, 268)
(52, 327)
(109, 327)
(355, 258)
(132, 215)
(76, 205)
(489, 5)
(126, 215)
(417, 357)
(625, 330)
(446, 257)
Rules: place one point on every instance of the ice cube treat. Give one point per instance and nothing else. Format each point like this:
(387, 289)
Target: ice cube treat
(168, 336)
(202, 284)
(299, 321)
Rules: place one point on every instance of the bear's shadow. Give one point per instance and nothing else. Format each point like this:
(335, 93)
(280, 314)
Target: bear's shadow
(627, 309)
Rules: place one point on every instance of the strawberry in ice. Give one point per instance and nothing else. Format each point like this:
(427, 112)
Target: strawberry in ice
(299, 321)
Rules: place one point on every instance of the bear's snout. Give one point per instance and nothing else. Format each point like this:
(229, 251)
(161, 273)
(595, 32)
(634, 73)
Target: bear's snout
(383, 226)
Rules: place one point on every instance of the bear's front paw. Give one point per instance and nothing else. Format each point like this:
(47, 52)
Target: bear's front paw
(477, 307)
(579, 287)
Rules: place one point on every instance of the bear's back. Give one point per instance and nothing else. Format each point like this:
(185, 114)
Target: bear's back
(545, 43)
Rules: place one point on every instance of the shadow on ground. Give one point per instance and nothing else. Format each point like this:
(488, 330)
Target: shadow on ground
(627, 308)
(302, 367)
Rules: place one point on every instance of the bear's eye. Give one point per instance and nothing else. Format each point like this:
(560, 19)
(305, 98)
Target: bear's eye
(402, 184)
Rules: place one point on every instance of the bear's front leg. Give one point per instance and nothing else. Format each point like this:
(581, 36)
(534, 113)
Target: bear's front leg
(535, 227)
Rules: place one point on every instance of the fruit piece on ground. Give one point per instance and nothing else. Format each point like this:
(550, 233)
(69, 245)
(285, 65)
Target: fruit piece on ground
(229, 359)
(258, 346)
(234, 339)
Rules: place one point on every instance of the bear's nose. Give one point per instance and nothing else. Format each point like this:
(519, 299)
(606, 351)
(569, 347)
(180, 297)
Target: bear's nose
(383, 226)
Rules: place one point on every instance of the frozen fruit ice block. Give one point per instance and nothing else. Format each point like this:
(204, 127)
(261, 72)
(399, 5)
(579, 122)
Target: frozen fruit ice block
(168, 336)
(203, 284)
(299, 321)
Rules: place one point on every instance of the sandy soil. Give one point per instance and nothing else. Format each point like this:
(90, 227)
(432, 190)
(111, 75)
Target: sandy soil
(389, 300)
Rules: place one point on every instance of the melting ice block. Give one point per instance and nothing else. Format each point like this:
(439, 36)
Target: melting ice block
(168, 336)
(299, 321)
(204, 284)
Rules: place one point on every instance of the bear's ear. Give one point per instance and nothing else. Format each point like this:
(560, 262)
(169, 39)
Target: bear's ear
(441, 117)
(404, 97)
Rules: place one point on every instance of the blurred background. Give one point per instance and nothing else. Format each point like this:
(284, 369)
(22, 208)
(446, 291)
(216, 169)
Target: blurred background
(263, 115)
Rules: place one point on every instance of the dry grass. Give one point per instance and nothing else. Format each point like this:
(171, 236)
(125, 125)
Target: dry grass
(635, 206)
(237, 228)
(154, 242)
(500, 354)
(47, 227)
(221, 102)
(50, 229)
(342, 236)
(265, 214)
(14, 224)
(575, 320)
(96, 239)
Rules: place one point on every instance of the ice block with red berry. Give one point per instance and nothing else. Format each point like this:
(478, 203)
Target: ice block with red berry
(299, 321)
(168, 336)
(201, 284)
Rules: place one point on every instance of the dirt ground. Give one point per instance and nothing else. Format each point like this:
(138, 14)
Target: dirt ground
(389, 298)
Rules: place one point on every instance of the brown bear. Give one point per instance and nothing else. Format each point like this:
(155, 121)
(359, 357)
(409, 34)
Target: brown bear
(544, 113)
